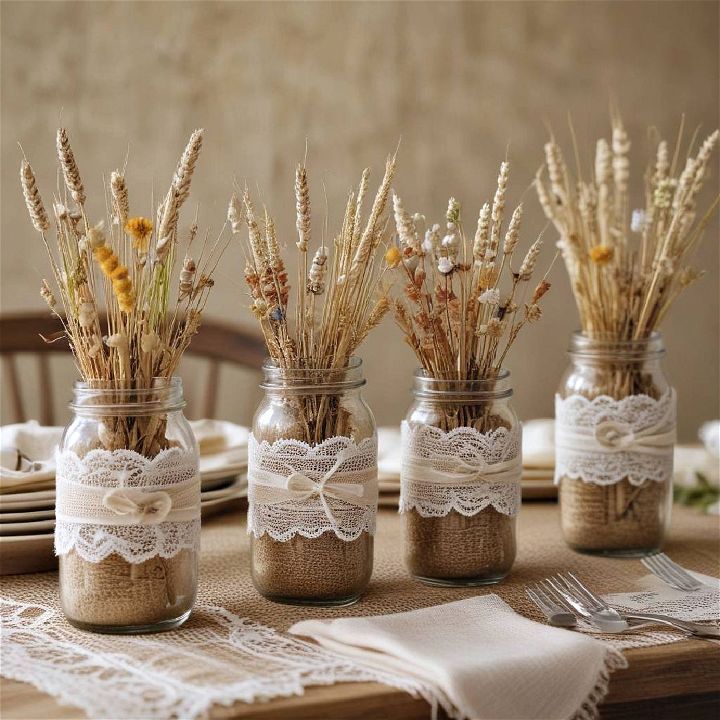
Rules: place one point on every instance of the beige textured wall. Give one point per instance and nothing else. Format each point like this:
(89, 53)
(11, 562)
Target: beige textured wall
(458, 82)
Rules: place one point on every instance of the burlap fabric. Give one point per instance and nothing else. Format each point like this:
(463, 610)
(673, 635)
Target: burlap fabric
(225, 658)
(694, 542)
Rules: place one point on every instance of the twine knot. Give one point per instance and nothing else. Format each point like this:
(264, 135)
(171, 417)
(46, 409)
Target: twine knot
(615, 435)
(145, 508)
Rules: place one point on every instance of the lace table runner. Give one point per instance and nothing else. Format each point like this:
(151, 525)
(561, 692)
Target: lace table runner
(234, 647)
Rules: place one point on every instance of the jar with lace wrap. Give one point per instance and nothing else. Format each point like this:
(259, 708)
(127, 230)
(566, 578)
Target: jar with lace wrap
(460, 480)
(128, 509)
(312, 480)
(614, 440)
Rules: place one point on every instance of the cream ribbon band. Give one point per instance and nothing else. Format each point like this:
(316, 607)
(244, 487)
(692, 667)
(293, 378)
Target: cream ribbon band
(421, 470)
(270, 488)
(124, 506)
(611, 436)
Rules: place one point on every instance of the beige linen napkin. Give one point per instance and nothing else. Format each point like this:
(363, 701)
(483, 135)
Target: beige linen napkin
(34, 445)
(481, 658)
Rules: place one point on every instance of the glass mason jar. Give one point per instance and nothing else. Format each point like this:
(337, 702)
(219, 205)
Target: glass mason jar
(460, 482)
(312, 486)
(615, 431)
(128, 509)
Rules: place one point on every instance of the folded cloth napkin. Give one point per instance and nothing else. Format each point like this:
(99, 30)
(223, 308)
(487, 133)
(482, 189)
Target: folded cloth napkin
(33, 445)
(479, 658)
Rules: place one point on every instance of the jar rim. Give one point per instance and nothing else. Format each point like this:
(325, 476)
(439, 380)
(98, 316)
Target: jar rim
(96, 396)
(606, 346)
(313, 379)
(429, 386)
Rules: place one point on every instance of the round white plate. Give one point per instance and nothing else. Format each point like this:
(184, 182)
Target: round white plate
(24, 516)
(32, 527)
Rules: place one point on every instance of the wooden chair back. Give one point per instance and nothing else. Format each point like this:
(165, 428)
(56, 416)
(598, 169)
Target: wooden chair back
(216, 342)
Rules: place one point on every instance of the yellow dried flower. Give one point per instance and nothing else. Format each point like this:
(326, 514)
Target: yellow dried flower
(118, 274)
(601, 254)
(393, 256)
(140, 228)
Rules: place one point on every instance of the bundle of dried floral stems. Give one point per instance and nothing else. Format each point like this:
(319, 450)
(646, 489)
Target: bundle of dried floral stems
(123, 270)
(627, 268)
(464, 301)
(336, 300)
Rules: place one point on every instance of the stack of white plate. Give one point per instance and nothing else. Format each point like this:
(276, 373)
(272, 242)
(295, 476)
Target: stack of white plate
(538, 463)
(27, 493)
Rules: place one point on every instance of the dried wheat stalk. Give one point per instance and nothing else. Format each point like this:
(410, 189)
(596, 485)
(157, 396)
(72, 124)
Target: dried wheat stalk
(123, 270)
(626, 269)
(336, 300)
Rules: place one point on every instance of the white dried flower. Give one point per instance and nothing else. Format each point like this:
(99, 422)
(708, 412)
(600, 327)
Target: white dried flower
(450, 241)
(118, 340)
(490, 297)
(86, 314)
(445, 265)
(637, 223)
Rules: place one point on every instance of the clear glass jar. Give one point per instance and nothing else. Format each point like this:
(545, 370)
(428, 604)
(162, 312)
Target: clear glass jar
(308, 549)
(473, 546)
(128, 509)
(618, 512)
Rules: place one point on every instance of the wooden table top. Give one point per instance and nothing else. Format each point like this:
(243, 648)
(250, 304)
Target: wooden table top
(675, 681)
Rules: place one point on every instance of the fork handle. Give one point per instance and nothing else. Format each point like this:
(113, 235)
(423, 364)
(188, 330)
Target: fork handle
(696, 629)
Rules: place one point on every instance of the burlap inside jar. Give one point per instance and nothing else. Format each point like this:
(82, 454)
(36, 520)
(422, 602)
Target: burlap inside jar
(116, 593)
(322, 569)
(621, 516)
(458, 548)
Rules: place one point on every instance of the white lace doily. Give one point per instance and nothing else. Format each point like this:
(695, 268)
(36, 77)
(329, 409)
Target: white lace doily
(462, 470)
(654, 596)
(603, 441)
(298, 489)
(216, 658)
(121, 502)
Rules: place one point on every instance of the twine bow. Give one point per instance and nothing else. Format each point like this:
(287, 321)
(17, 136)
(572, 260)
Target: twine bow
(145, 508)
(324, 489)
(461, 473)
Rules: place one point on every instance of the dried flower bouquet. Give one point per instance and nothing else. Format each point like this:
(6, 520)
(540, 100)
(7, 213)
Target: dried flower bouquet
(464, 302)
(336, 299)
(123, 270)
(626, 269)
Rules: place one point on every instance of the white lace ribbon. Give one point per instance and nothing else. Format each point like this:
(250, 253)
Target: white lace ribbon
(603, 441)
(119, 501)
(295, 488)
(463, 470)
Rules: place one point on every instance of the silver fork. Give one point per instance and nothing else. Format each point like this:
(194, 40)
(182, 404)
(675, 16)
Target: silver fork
(572, 594)
(600, 613)
(671, 573)
(556, 613)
